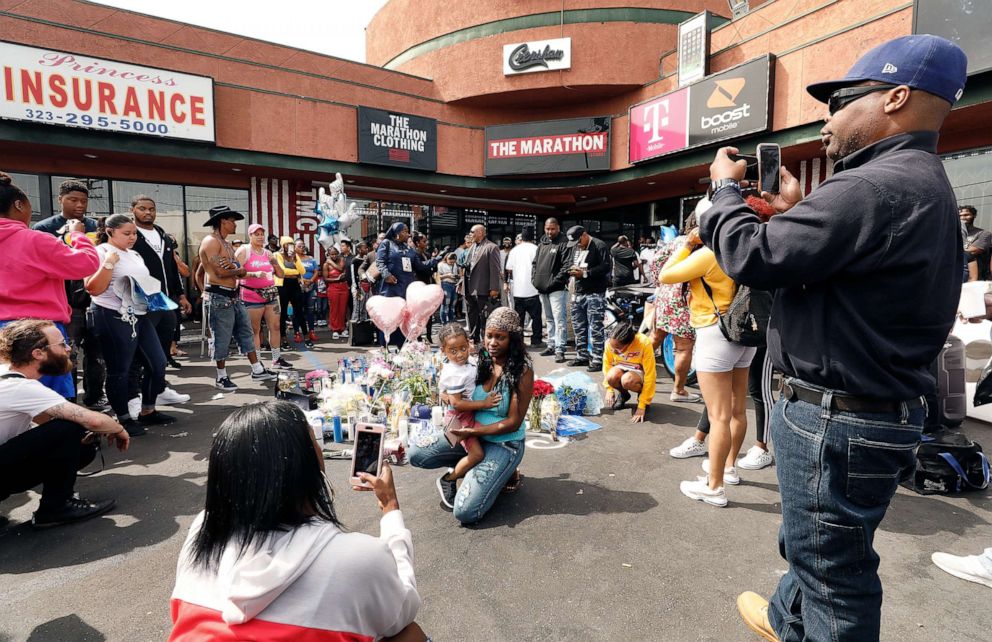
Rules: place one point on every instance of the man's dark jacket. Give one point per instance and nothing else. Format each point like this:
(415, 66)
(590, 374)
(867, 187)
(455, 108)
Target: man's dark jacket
(866, 268)
(163, 267)
(599, 264)
(550, 272)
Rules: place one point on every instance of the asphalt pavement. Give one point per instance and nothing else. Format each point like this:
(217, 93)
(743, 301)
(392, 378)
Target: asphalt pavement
(598, 544)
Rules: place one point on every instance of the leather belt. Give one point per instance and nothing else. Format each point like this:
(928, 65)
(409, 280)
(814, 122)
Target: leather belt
(222, 291)
(844, 402)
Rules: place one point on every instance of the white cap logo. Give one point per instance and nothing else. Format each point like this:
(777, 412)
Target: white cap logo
(889, 68)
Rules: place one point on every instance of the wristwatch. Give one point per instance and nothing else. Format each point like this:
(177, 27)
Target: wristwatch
(724, 183)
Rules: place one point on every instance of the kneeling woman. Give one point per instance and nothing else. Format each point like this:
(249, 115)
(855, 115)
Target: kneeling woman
(122, 332)
(504, 368)
(267, 559)
(629, 367)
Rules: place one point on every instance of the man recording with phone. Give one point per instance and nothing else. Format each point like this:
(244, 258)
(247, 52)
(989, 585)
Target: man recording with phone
(867, 273)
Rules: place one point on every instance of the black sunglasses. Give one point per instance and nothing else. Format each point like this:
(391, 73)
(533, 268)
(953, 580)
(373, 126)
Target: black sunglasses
(843, 97)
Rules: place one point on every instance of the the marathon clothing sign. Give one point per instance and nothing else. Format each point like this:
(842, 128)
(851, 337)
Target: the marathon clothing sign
(730, 104)
(54, 87)
(399, 140)
(542, 55)
(549, 147)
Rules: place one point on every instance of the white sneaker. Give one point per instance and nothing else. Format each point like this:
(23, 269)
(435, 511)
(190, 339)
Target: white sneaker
(169, 397)
(688, 397)
(756, 459)
(336, 336)
(974, 568)
(134, 408)
(688, 448)
(344, 335)
(700, 490)
(730, 475)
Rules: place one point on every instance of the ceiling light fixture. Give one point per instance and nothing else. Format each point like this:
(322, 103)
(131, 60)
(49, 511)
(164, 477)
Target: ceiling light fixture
(235, 169)
(651, 182)
(444, 191)
(90, 156)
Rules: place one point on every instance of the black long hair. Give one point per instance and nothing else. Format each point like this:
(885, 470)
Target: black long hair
(263, 477)
(517, 362)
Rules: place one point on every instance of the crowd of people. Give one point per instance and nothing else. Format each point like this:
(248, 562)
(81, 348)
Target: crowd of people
(845, 428)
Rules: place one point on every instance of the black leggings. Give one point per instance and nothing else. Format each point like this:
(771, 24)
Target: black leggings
(290, 292)
(759, 388)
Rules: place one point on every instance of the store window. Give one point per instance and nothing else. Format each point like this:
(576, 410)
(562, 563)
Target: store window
(168, 204)
(31, 185)
(99, 197)
(970, 174)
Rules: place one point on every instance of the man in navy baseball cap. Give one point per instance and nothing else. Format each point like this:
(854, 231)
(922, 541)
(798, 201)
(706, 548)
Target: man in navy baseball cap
(866, 270)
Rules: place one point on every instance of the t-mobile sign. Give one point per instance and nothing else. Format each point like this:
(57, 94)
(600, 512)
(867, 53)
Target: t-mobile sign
(549, 147)
(659, 126)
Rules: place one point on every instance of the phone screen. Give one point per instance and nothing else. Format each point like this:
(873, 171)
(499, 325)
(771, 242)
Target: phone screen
(769, 162)
(366, 452)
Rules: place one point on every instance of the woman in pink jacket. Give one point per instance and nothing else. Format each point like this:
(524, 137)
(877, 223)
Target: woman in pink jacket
(36, 266)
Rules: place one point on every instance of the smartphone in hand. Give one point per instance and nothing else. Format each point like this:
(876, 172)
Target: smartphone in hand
(769, 165)
(366, 456)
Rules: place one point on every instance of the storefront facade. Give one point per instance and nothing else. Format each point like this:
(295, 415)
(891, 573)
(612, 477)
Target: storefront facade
(503, 114)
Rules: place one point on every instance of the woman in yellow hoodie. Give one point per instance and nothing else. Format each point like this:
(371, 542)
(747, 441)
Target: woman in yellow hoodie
(722, 366)
(628, 366)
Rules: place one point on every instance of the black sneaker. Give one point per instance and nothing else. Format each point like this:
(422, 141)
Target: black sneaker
(133, 428)
(225, 384)
(100, 405)
(264, 375)
(621, 399)
(172, 363)
(575, 363)
(282, 364)
(595, 366)
(156, 418)
(75, 509)
(560, 358)
(448, 488)
(285, 347)
(547, 352)
(265, 347)
(309, 344)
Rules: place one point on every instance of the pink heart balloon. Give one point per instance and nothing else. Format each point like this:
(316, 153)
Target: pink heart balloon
(386, 313)
(413, 327)
(423, 300)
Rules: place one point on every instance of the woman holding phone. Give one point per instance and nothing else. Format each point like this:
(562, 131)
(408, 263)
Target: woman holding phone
(268, 558)
(504, 368)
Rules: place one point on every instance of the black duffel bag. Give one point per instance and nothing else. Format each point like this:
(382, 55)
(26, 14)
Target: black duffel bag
(948, 462)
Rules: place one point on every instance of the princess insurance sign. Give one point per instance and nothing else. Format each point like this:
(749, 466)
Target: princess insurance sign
(54, 87)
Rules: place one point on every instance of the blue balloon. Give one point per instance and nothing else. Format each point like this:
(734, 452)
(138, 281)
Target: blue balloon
(668, 233)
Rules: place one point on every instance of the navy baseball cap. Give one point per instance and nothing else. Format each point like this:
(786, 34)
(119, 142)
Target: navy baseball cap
(926, 62)
(574, 235)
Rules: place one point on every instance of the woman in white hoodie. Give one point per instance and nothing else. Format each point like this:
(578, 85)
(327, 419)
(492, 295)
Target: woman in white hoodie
(268, 559)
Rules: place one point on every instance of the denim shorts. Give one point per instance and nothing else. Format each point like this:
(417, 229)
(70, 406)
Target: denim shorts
(229, 318)
(715, 354)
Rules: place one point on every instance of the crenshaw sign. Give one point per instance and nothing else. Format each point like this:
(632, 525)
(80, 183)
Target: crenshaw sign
(543, 55)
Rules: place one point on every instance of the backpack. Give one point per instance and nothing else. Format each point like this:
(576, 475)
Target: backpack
(746, 320)
(948, 462)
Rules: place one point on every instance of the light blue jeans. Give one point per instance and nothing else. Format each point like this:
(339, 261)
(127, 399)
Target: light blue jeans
(481, 485)
(554, 304)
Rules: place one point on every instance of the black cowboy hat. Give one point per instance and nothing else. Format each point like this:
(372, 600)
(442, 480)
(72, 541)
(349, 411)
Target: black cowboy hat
(221, 212)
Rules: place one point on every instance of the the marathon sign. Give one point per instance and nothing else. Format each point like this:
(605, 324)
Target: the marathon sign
(543, 55)
(730, 104)
(54, 87)
(549, 147)
(398, 140)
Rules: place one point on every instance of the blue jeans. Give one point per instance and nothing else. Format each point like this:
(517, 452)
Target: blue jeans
(837, 472)
(229, 318)
(554, 315)
(481, 485)
(119, 351)
(587, 317)
(448, 306)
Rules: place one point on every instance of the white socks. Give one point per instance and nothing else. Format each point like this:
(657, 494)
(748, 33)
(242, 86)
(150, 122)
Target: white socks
(221, 373)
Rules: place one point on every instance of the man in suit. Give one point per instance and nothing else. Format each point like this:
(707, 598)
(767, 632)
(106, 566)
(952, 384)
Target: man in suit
(483, 280)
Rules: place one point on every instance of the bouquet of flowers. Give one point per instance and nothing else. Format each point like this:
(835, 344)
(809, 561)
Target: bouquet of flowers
(541, 390)
(572, 400)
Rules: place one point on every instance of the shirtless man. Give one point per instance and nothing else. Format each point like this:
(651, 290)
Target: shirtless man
(228, 316)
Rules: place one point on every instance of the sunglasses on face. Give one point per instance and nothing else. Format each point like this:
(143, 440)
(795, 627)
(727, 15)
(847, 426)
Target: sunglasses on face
(843, 97)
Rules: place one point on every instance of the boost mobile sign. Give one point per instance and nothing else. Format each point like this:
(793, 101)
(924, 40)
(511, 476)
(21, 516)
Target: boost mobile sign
(54, 87)
(730, 104)
(397, 140)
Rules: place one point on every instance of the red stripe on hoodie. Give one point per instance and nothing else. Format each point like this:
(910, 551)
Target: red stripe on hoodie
(192, 623)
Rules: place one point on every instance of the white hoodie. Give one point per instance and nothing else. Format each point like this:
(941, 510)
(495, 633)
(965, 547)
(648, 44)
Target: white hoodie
(314, 582)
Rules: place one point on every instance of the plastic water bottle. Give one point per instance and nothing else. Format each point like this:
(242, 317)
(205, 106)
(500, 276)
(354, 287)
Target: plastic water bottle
(338, 434)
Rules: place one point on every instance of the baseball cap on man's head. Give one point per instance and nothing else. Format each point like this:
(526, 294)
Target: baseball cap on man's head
(926, 62)
(574, 234)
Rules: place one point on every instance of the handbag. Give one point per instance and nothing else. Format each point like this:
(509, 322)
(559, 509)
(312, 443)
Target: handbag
(948, 462)
(746, 320)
